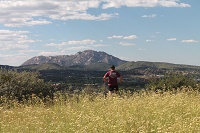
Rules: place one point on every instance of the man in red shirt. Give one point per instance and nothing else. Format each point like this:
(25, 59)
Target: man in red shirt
(111, 78)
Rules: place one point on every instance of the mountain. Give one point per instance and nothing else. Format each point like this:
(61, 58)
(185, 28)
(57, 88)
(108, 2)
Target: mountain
(98, 66)
(92, 60)
(85, 58)
(154, 65)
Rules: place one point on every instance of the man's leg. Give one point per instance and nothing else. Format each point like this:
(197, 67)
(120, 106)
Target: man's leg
(111, 89)
(116, 89)
(110, 93)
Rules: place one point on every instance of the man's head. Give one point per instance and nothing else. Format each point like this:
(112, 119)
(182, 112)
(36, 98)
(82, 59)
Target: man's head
(112, 67)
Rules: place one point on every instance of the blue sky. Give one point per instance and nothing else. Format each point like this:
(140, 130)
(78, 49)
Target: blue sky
(133, 30)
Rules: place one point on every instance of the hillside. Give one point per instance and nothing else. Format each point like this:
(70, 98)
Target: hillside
(53, 66)
(100, 66)
(154, 65)
(6, 67)
(43, 66)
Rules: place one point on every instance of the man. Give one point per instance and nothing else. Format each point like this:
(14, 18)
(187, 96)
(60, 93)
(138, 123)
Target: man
(111, 78)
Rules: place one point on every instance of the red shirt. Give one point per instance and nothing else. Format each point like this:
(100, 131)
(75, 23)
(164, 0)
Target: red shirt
(112, 77)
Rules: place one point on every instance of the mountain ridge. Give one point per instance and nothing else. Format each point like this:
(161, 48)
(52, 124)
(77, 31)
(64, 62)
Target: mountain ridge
(93, 60)
(86, 57)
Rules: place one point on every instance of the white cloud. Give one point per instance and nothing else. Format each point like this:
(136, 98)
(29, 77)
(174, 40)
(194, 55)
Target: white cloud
(13, 59)
(77, 45)
(85, 16)
(17, 13)
(173, 3)
(143, 3)
(71, 43)
(130, 37)
(10, 40)
(171, 39)
(115, 36)
(149, 16)
(13, 47)
(123, 37)
(148, 40)
(87, 41)
(47, 53)
(28, 23)
(189, 41)
(141, 49)
(127, 44)
(29, 51)
(98, 45)
(53, 44)
(78, 48)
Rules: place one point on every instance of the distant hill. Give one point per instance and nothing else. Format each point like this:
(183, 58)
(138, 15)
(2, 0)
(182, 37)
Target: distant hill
(100, 66)
(154, 65)
(43, 66)
(6, 67)
(52, 66)
(85, 58)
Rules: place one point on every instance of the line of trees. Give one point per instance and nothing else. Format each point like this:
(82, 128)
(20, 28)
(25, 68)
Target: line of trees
(172, 82)
(22, 85)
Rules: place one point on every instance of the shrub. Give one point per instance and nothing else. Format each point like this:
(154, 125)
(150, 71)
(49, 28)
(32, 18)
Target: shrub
(14, 84)
(171, 83)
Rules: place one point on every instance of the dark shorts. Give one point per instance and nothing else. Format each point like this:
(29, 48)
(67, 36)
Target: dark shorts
(112, 88)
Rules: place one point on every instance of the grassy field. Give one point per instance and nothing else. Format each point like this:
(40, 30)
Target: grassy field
(137, 113)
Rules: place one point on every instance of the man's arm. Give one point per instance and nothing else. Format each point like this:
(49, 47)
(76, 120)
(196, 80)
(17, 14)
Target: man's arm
(121, 78)
(104, 78)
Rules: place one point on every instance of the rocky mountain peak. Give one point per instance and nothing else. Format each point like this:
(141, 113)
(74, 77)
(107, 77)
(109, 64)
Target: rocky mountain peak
(86, 57)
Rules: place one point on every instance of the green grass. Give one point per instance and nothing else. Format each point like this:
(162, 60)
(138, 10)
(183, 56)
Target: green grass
(138, 113)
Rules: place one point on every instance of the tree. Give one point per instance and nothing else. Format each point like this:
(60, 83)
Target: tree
(171, 82)
(14, 84)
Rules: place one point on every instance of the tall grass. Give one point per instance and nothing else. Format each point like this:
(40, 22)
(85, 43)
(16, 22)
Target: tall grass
(82, 113)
